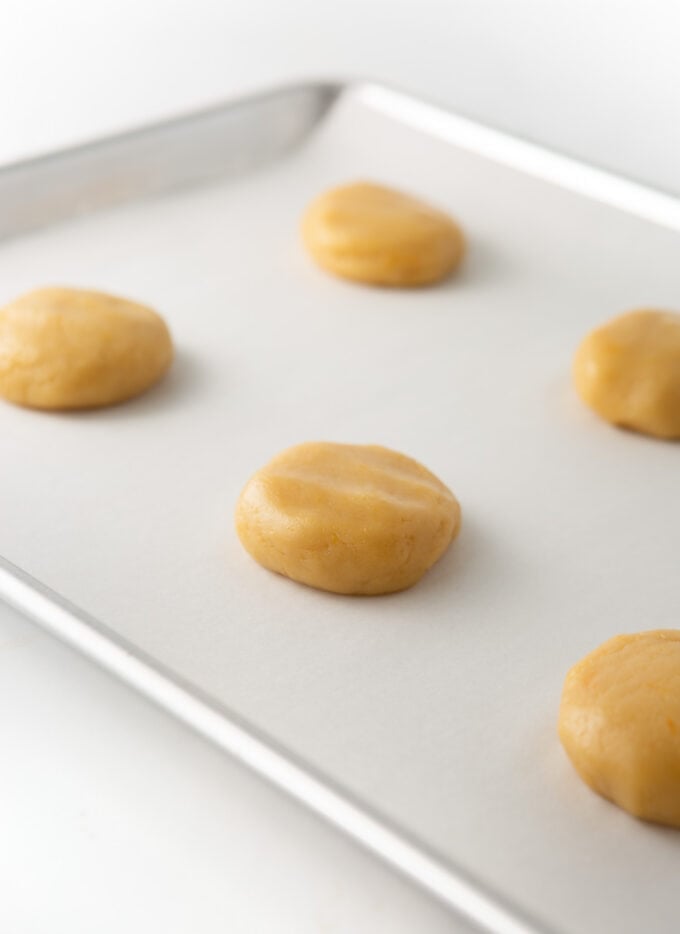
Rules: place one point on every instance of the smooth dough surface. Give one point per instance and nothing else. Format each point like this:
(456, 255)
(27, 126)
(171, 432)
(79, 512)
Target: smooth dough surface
(628, 371)
(620, 723)
(351, 519)
(74, 349)
(377, 235)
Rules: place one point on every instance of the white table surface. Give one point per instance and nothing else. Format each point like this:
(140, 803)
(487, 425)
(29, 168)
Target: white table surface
(114, 817)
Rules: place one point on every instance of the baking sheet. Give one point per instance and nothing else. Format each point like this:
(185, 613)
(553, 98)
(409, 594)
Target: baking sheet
(437, 706)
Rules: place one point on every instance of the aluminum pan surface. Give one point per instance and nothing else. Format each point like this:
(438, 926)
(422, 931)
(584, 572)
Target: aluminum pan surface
(437, 705)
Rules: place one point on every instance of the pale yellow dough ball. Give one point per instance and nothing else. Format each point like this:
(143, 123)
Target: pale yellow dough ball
(620, 723)
(347, 518)
(73, 349)
(381, 236)
(628, 371)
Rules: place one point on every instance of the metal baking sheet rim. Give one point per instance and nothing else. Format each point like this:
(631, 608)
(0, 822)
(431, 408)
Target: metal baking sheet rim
(452, 885)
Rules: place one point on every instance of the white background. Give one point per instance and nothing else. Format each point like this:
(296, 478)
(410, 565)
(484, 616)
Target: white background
(113, 817)
(596, 78)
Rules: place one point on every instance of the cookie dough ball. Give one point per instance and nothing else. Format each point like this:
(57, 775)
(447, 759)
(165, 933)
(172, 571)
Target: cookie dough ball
(347, 518)
(620, 723)
(72, 349)
(380, 236)
(628, 371)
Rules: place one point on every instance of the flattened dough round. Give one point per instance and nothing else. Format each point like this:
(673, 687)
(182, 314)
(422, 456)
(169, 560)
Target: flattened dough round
(73, 349)
(628, 371)
(381, 236)
(620, 723)
(347, 518)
